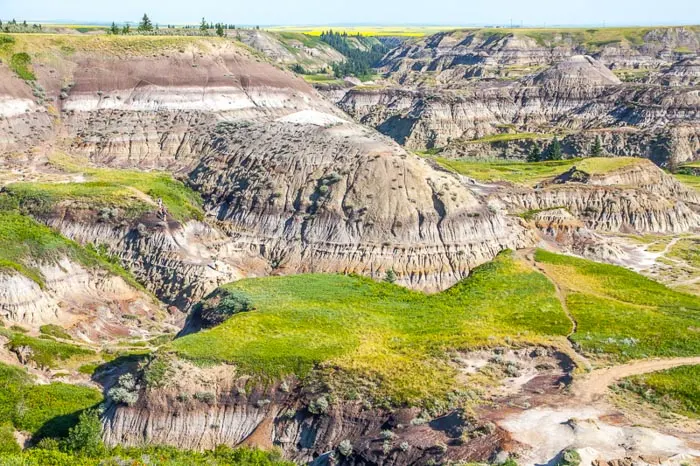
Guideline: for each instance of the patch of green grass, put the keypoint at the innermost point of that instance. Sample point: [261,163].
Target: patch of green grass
[687,250]
[46,353]
[676,390]
[623,314]
[45,47]
[43,410]
[514,172]
[8,443]
[503,137]
[53,330]
[691,181]
[161,456]
[380,333]
[24,242]
[322,78]
[631,75]
[20,63]
[134,192]
[602,165]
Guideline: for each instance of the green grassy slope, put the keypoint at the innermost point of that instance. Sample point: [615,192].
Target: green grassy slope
[132,192]
[43,410]
[398,341]
[531,173]
[623,315]
[24,242]
[369,331]
[676,390]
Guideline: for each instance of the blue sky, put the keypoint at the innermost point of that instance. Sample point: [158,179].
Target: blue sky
[307,12]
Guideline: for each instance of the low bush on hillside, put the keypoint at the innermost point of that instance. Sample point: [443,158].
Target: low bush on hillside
[224,304]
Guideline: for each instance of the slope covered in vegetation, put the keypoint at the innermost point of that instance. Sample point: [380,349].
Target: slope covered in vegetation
[378,331]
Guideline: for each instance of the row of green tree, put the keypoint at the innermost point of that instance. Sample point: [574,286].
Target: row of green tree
[14,26]
[359,61]
[147,26]
[553,151]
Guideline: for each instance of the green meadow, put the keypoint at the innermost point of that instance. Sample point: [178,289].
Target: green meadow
[378,333]
[676,390]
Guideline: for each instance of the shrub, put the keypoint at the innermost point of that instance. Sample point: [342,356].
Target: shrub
[345,448]
[156,373]
[8,444]
[48,443]
[570,458]
[19,63]
[404,446]
[126,391]
[222,305]
[390,276]
[319,406]
[86,436]
[205,397]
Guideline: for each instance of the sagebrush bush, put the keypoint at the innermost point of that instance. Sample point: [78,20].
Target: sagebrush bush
[222,305]
[319,406]
[126,391]
[345,448]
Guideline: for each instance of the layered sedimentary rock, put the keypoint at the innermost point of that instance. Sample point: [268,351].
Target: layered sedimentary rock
[639,197]
[202,408]
[451,89]
[22,117]
[293,182]
[340,197]
[93,303]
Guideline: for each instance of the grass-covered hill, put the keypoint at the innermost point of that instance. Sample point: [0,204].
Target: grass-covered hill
[394,339]
[622,315]
[398,344]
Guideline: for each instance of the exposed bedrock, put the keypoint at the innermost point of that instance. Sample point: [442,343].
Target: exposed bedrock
[92,302]
[342,198]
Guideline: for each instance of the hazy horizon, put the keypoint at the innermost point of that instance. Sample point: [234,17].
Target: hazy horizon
[270,13]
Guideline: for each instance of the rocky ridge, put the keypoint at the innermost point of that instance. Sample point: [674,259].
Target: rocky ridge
[452,89]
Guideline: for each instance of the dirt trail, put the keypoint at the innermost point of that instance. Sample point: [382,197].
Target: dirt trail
[595,384]
[528,255]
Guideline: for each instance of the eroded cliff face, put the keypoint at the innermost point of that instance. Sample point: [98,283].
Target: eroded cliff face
[94,304]
[448,91]
[201,408]
[290,183]
[340,197]
[639,197]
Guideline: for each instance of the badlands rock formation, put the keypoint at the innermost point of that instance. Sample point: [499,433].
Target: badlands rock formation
[290,183]
[451,89]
